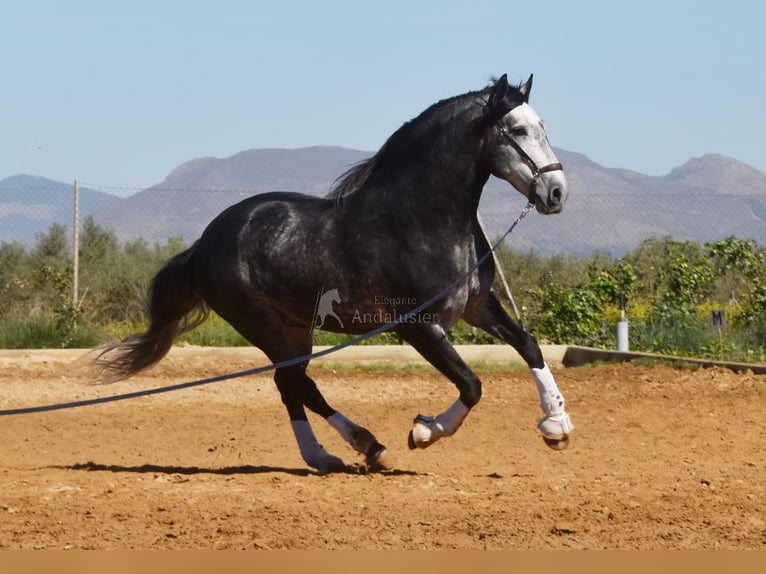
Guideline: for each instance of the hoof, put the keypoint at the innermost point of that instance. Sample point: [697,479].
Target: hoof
[411,442]
[555,430]
[379,461]
[330,464]
[557,443]
[422,434]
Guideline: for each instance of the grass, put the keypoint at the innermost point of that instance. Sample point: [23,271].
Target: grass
[44,333]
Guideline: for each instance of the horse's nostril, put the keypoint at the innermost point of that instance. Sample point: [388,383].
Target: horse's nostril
[556,195]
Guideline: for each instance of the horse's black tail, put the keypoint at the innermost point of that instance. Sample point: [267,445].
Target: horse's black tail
[175,306]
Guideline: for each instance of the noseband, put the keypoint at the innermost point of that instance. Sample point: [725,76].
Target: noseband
[536,171]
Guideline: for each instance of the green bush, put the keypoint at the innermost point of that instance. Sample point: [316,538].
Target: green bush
[668,286]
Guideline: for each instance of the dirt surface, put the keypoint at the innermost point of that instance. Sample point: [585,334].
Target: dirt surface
[661,457]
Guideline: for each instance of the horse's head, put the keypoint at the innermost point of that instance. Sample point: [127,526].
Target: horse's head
[332,295]
[518,149]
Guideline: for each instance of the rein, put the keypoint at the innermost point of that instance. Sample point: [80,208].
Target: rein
[536,171]
[289,362]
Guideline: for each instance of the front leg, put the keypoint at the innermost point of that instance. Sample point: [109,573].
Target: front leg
[431,342]
[488,314]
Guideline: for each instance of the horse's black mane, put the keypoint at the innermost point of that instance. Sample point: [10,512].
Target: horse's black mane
[355,177]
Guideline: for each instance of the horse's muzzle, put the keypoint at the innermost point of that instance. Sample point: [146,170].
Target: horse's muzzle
[550,191]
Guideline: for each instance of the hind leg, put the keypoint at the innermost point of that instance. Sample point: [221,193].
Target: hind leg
[266,329]
[290,383]
[298,390]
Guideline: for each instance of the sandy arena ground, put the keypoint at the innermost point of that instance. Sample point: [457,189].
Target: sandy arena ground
[662,457]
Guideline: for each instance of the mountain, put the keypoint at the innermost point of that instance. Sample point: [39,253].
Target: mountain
[30,205]
[306,170]
[609,210]
[612,210]
[195,192]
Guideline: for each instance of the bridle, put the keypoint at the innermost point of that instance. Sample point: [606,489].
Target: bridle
[536,171]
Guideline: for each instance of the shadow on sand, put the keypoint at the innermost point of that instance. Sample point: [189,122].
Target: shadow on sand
[91,466]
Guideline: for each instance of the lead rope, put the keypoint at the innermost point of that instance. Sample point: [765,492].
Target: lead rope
[288,363]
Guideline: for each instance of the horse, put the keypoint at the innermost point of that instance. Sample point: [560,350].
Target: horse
[391,232]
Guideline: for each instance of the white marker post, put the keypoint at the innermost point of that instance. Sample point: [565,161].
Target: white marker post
[622,328]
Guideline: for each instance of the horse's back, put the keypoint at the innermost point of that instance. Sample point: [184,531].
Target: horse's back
[267,215]
[264,206]
[263,241]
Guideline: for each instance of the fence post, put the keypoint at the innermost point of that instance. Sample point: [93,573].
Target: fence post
[76,246]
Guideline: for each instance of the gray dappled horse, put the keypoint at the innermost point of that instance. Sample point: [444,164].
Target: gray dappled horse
[394,231]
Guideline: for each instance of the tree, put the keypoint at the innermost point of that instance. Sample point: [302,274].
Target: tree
[52,248]
[98,245]
[14,285]
[740,267]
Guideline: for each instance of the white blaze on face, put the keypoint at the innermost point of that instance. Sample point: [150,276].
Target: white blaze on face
[528,130]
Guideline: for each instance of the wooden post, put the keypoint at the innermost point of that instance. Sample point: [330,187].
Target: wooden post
[499,271]
[76,246]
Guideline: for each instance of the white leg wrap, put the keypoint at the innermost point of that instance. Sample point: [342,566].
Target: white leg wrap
[556,423]
[551,399]
[428,430]
[341,424]
[450,420]
[312,452]
[361,440]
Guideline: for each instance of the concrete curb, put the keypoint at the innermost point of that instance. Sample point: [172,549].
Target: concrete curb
[482,354]
[362,354]
[578,356]
[555,356]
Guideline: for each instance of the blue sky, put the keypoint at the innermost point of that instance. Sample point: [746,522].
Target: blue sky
[122,93]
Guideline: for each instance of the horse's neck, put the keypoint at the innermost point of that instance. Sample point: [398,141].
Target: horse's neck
[446,184]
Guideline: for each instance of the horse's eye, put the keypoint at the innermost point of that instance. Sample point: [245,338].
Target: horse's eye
[519,131]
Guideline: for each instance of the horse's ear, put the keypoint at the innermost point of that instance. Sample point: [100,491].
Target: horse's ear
[499,103]
[526,87]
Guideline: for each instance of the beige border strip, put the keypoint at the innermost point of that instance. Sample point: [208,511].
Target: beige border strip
[555,356]
[362,354]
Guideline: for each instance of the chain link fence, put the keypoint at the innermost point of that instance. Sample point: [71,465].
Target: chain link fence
[161,219]
[601,222]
